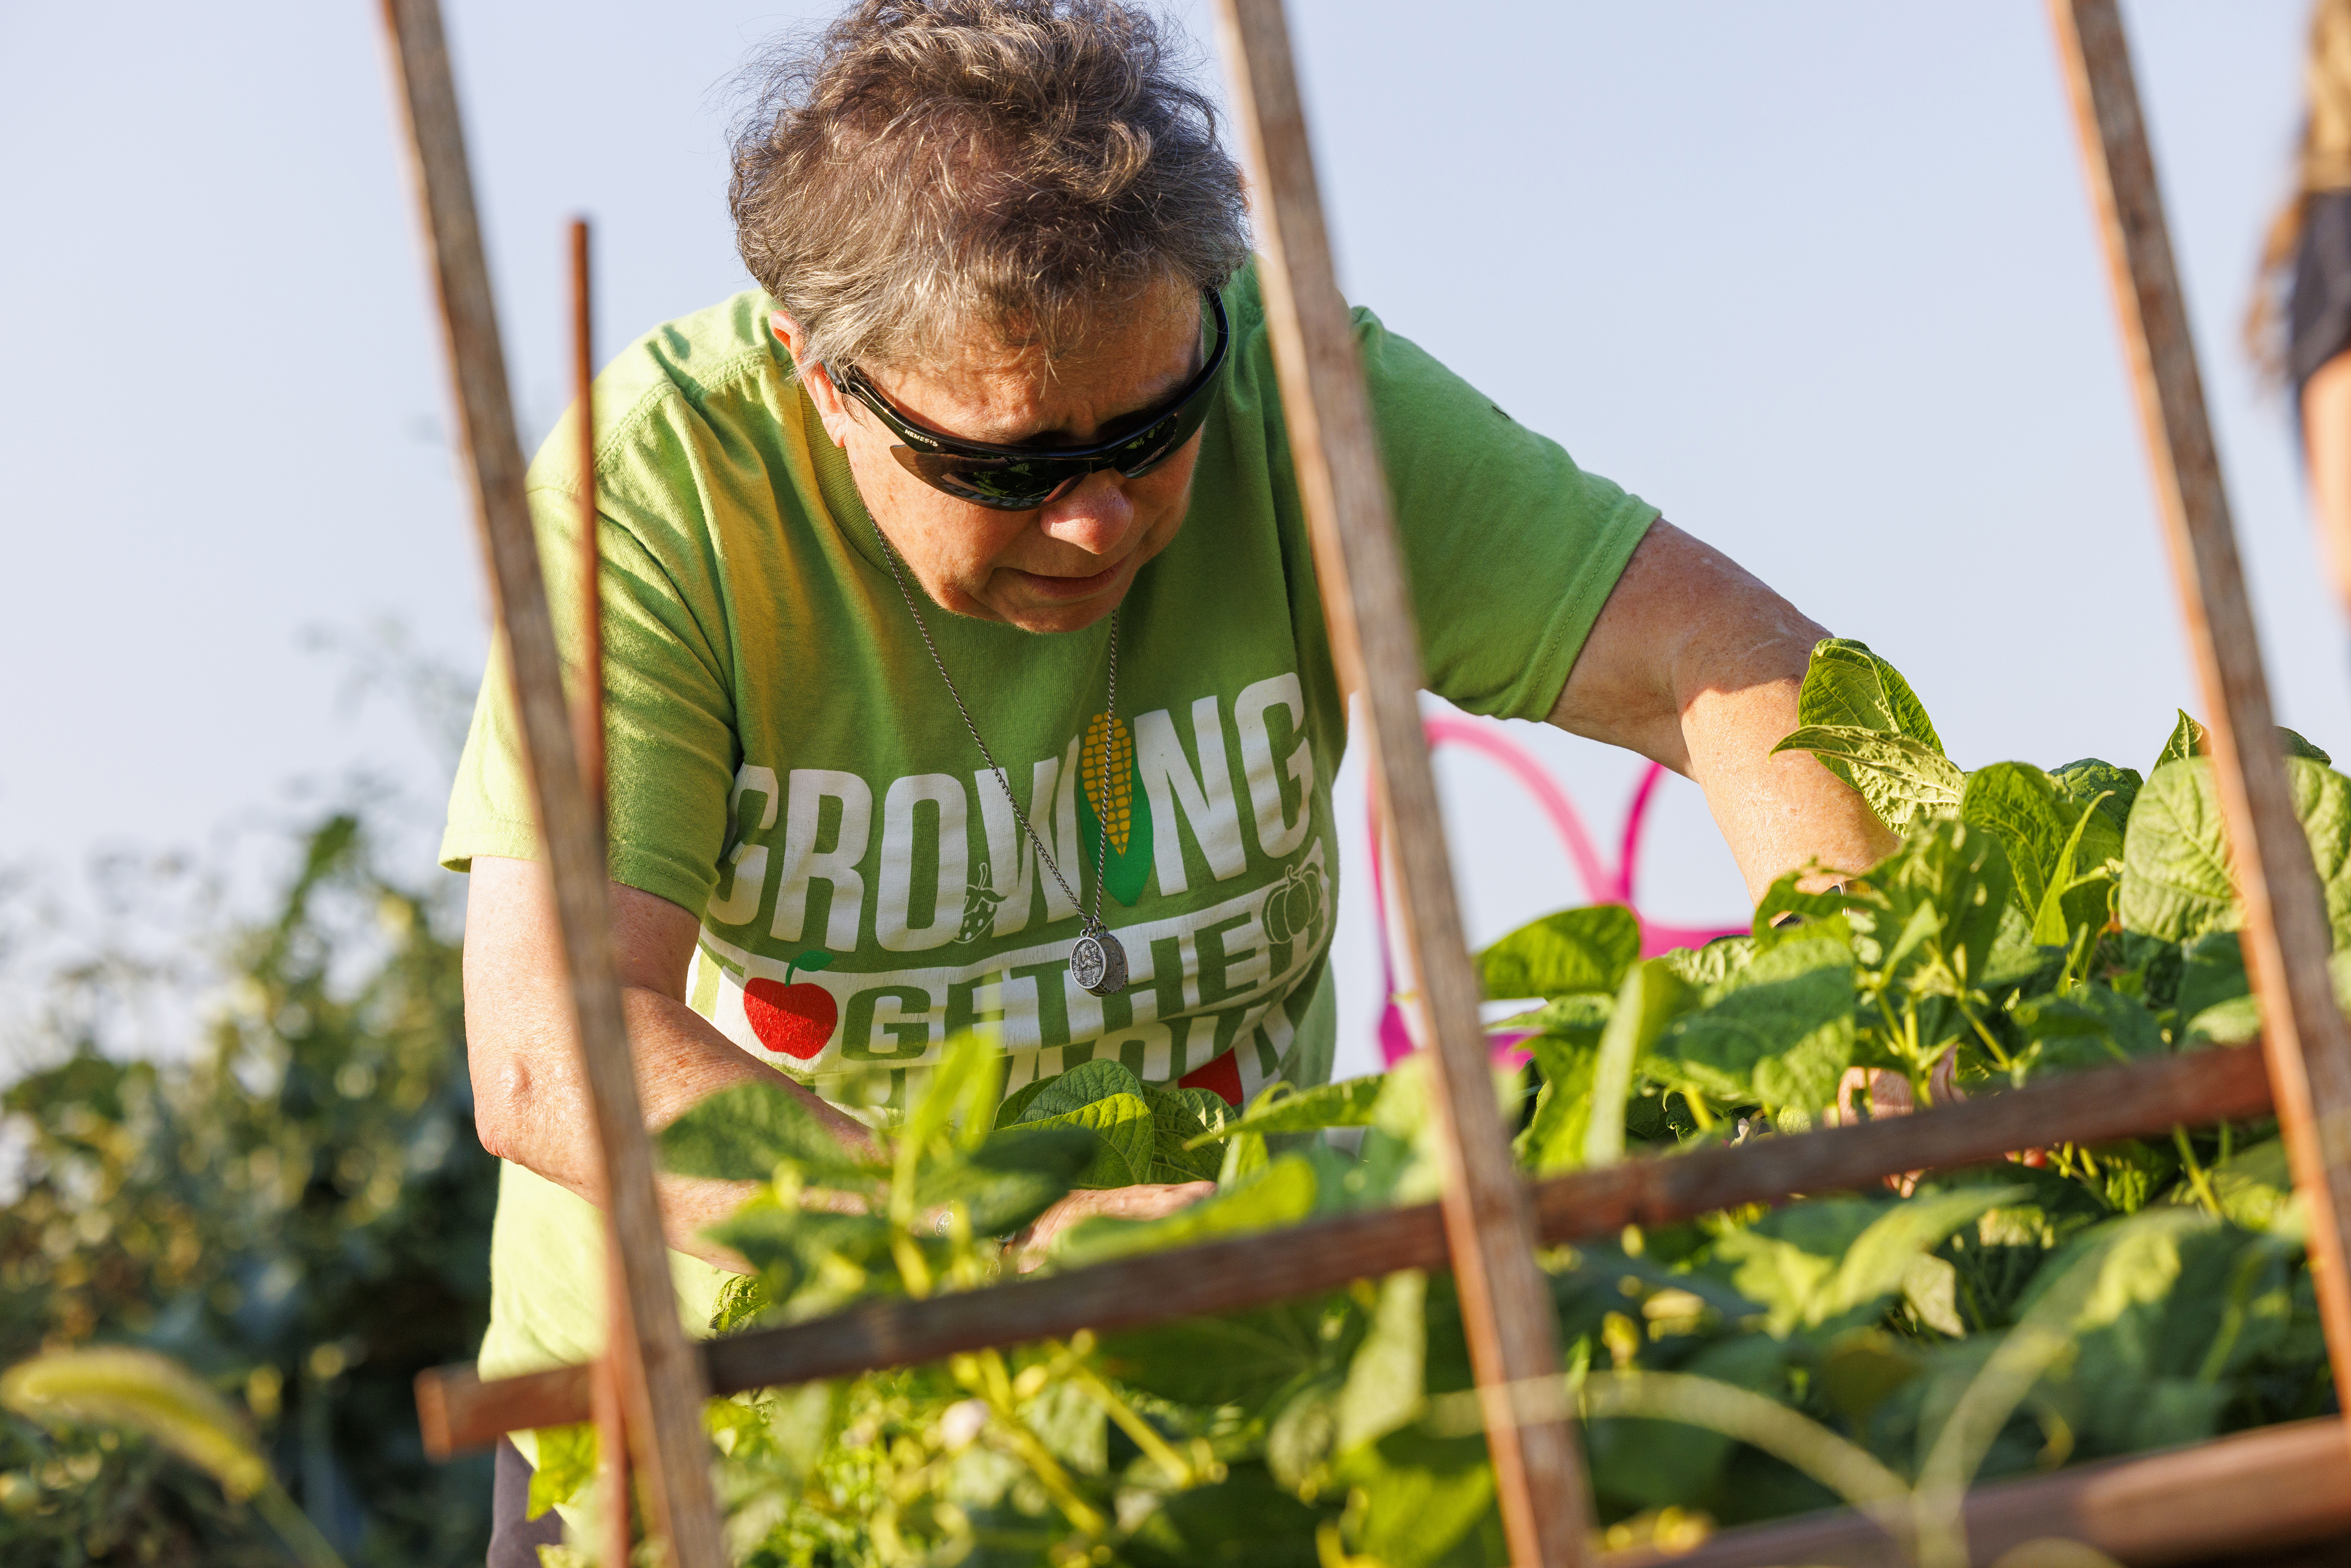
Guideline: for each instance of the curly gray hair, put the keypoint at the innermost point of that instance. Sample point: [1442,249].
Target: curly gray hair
[924,166]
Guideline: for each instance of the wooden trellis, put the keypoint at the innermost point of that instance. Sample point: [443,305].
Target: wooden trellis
[2273,1487]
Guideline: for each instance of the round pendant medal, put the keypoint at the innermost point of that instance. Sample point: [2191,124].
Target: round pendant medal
[1099,964]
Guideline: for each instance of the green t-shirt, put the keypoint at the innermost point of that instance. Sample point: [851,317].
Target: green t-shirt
[785,761]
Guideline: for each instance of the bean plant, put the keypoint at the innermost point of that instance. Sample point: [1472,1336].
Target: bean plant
[1883,1348]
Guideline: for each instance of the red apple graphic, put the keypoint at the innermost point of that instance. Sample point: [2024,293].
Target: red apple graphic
[796,1019]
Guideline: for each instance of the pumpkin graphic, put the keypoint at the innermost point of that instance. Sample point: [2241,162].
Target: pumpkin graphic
[1294,904]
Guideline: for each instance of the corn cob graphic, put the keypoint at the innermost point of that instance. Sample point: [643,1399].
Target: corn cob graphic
[1106,768]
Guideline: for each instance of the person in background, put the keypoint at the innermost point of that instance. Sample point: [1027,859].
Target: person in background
[2299,326]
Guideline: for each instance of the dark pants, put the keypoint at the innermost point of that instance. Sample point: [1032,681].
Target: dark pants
[515,1540]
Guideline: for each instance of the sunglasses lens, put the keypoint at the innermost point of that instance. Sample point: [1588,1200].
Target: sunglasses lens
[1008,485]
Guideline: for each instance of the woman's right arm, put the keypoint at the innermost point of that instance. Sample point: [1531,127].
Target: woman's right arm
[530,1097]
[2326,438]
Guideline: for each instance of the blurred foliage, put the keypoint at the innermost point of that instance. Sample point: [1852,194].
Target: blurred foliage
[299,1211]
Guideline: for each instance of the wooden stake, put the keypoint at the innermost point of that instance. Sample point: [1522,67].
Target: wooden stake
[1506,1303]
[614,1433]
[458,1410]
[2286,935]
[661,1375]
[2233,1500]
[590,700]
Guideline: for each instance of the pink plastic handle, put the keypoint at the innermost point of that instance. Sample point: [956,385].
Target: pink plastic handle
[1601,884]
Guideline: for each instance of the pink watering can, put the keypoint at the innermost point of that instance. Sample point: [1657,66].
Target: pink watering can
[1601,885]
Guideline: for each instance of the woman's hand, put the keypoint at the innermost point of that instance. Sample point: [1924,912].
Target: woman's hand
[1027,1248]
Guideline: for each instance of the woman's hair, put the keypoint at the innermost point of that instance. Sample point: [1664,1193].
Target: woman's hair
[925,166]
[2322,164]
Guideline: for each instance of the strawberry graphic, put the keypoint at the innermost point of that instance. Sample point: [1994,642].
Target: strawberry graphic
[796,1019]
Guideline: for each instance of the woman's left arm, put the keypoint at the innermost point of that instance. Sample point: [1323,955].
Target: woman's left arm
[1696,663]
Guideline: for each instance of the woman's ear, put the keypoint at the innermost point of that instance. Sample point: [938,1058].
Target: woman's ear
[813,376]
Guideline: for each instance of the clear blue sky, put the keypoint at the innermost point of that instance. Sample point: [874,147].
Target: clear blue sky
[1816,278]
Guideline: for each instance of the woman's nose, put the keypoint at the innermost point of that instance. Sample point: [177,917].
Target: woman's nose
[1094,514]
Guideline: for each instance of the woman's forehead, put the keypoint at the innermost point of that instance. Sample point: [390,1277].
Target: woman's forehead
[1131,358]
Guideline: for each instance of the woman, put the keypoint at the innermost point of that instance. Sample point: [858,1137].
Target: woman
[967,658]
[2306,268]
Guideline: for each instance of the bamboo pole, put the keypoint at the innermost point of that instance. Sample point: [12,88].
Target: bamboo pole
[2236,1498]
[612,1431]
[590,704]
[458,1410]
[660,1377]
[2286,936]
[1539,1476]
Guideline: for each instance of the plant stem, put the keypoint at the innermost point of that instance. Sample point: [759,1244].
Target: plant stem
[1146,1437]
[2196,1172]
[294,1527]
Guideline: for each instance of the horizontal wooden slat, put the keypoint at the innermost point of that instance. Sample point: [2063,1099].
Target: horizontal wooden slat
[2250,1493]
[462,1411]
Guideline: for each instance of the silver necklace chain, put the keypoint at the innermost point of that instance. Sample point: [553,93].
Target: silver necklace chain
[1093,922]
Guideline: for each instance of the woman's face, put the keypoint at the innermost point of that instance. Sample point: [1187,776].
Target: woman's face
[1068,563]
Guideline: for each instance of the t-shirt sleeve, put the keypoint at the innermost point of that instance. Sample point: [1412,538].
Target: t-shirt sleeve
[1511,548]
[671,750]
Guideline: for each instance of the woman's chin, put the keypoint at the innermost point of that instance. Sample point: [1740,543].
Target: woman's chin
[1036,602]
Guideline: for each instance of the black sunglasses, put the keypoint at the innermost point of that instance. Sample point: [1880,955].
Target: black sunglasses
[1022,478]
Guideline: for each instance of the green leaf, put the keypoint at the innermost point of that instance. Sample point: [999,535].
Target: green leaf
[1185,1125]
[2112,789]
[2211,971]
[1782,899]
[1945,894]
[1126,1134]
[744,1301]
[1578,1018]
[2020,804]
[814,958]
[2174,1302]
[1601,1279]
[1236,1358]
[790,1247]
[1653,996]
[2187,739]
[1845,684]
[1081,1085]
[563,1468]
[1850,694]
[1898,776]
[2190,738]
[2176,877]
[1647,1464]
[1559,1137]
[744,1132]
[1718,959]
[1284,1195]
[1011,1179]
[2088,1026]
[1245,1159]
[1428,1503]
[1832,1265]
[1779,1033]
[2054,844]
[2255,1188]
[1586,949]
[2176,880]
[2322,798]
[1875,1268]
[1246,1521]
[1386,1381]
[964,1091]
[1284,1109]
